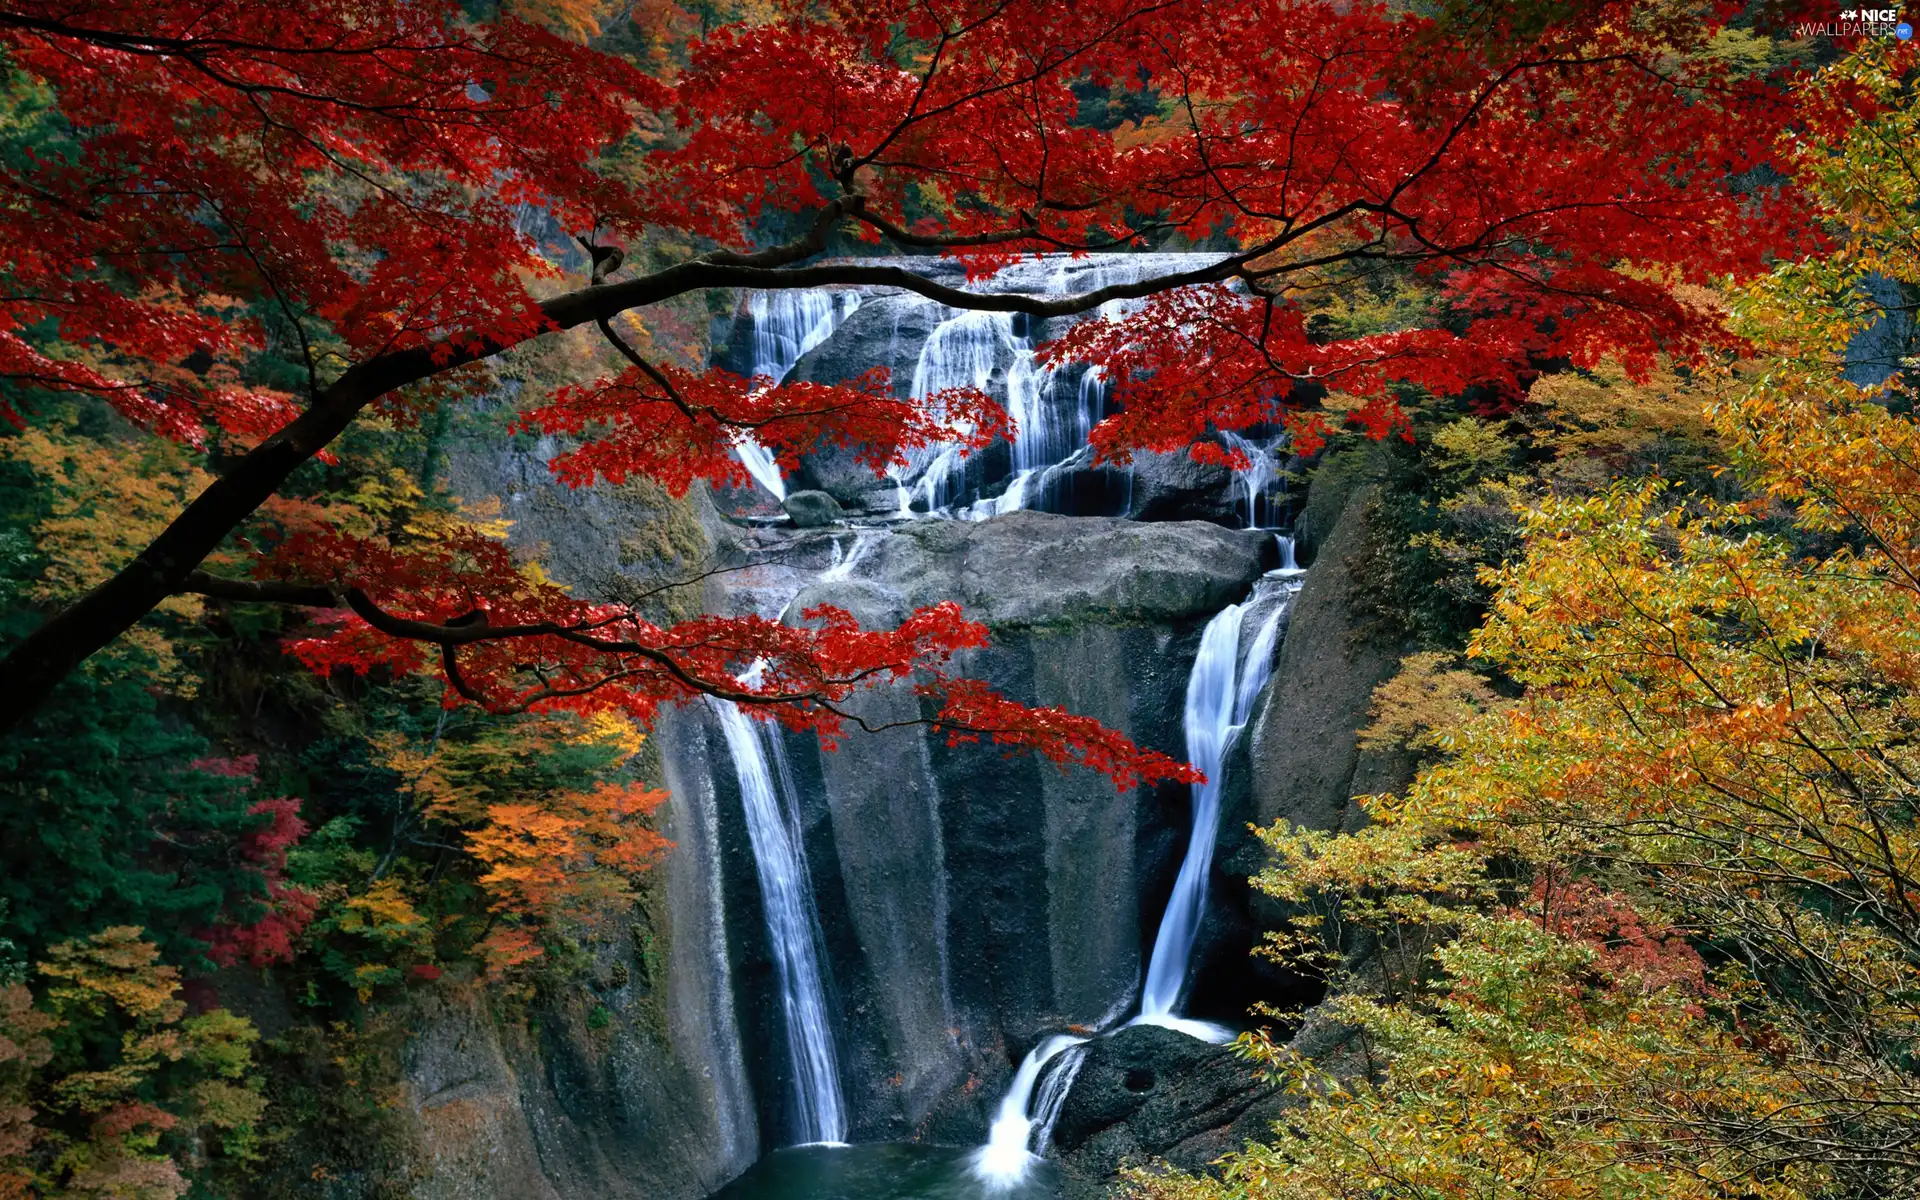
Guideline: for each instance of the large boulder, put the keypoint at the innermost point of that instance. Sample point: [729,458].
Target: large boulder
[811,510]
[885,331]
[1171,486]
[1036,568]
[972,901]
[1148,1093]
[1156,486]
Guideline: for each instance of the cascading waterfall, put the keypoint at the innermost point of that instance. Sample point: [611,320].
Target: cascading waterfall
[1054,418]
[1038,442]
[966,351]
[969,348]
[787,324]
[1039,439]
[1221,692]
[1005,1160]
[864,540]
[963,351]
[773,829]
[1090,404]
[1250,485]
[1053,1095]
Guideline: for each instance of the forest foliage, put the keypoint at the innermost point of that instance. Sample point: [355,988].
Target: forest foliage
[281,706]
[1645,924]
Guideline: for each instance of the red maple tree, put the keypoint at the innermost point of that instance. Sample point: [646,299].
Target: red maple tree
[357,166]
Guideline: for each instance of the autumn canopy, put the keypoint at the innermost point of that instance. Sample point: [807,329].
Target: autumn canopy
[360,171]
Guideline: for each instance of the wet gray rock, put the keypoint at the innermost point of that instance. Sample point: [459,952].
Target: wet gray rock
[1147,1093]
[1034,568]
[973,901]
[1173,487]
[1331,484]
[885,331]
[1155,487]
[1306,760]
[811,510]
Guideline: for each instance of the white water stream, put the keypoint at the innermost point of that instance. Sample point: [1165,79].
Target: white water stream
[1005,1160]
[1221,692]
[779,857]
[787,324]
[994,352]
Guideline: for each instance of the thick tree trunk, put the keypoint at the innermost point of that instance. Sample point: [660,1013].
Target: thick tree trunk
[46,655]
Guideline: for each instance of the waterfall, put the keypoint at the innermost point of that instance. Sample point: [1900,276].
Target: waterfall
[969,349]
[1090,403]
[1221,692]
[864,540]
[963,351]
[1287,560]
[1005,1159]
[787,324]
[1053,1095]
[1012,500]
[1038,442]
[1261,473]
[773,827]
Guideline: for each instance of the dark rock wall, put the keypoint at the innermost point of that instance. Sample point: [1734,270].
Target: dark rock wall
[1306,761]
[974,902]
[1149,1093]
[654,1102]
[970,903]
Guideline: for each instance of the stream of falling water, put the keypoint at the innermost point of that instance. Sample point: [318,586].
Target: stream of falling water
[1252,484]
[1005,1160]
[970,349]
[779,857]
[1222,690]
[787,324]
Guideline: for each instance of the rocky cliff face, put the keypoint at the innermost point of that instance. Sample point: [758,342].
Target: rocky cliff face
[969,904]
[633,1087]
[1305,759]
[1149,1094]
[973,902]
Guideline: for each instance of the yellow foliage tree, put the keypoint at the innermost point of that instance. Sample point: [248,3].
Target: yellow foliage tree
[1653,928]
[549,851]
[178,1091]
[101,503]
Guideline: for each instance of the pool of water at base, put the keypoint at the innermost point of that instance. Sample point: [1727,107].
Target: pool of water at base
[880,1171]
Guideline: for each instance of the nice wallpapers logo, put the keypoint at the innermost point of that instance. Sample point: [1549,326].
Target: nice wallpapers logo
[1860,22]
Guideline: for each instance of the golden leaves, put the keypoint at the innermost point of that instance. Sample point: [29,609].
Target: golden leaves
[1427,697]
[1715,747]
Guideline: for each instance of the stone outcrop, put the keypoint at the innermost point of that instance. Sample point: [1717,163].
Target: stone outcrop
[1155,486]
[1149,1094]
[1033,568]
[1304,748]
[973,902]
[634,1088]
[811,510]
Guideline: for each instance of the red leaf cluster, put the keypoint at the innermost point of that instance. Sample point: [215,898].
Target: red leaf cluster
[1631,949]
[364,162]
[635,426]
[270,938]
[366,170]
